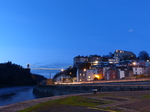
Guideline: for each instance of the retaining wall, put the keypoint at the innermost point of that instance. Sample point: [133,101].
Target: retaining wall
[54,90]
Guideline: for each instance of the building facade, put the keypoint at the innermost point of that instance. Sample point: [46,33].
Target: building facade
[124,54]
[111,74]
[138,70]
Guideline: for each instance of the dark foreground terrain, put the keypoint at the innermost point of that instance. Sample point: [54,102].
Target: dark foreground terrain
[125,101]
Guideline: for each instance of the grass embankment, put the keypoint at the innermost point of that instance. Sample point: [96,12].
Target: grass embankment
[74,100]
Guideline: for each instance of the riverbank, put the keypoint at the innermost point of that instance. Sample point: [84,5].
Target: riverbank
[10,95]
[123,101]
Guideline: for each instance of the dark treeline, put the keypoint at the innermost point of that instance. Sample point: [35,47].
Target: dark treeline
[71,71]
[16,75]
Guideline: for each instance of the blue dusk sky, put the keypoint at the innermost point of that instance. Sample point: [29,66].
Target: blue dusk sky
[50,33]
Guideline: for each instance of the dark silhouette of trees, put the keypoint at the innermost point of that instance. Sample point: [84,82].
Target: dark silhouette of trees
[16,75]
[143,55]
[71,71]
[111,55]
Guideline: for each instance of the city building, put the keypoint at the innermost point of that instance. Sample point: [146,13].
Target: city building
[81,75]
[122,64]
[111,74]
[94,59]
[94,74]
[147,64]
[124,54]
[79,60]
[138,70]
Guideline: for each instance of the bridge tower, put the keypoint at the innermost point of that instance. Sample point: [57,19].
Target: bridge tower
[28,66]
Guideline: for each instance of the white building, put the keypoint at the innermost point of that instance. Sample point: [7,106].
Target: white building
[104,70]
[91,74]
[121,73]
[138,70]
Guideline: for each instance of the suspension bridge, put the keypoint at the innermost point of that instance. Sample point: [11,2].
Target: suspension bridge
[33,67]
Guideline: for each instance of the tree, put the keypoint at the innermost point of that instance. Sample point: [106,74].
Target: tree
[111,55]
[143,55]
[15,75]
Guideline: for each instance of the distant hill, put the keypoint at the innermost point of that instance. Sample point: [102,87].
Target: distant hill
[15,75]
[39,78]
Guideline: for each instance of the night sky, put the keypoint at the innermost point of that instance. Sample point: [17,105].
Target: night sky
[50,33]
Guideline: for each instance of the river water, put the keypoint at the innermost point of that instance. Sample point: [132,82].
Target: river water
[12,95]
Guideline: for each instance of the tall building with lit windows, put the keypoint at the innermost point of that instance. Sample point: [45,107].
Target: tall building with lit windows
[124,54]
[94,59]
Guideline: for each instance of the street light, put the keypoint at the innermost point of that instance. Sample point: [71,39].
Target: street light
[95,63]
[134,63]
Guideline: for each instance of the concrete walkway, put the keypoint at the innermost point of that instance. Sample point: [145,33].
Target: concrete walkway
[125,101]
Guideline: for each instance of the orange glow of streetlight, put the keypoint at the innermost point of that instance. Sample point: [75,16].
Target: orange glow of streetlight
[134,63]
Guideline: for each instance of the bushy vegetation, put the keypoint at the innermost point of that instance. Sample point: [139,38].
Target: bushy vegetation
[15,75]
[71,71]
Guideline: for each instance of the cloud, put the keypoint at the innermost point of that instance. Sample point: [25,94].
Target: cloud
[131,30]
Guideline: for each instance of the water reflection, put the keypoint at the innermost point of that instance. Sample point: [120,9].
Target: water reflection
[16,94]
[7,96]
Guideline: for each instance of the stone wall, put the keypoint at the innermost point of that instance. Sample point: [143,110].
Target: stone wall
[55,90]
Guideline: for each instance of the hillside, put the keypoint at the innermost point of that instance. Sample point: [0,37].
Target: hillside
[16,75]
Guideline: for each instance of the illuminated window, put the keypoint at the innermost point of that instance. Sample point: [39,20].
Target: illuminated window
[80,74]
[89,77]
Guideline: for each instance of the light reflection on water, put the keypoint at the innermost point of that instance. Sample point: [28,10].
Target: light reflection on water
[16,94]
